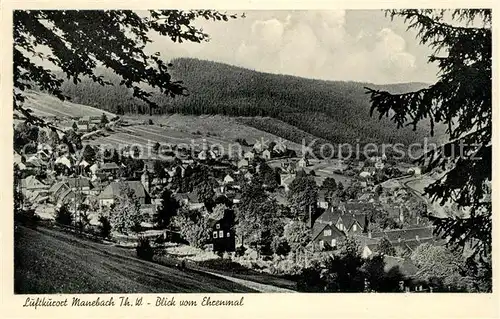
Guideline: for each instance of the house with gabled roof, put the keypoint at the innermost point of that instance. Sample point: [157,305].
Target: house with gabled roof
[325,236]
[222,235]
[409,238]
[249,155]
[242,163]
[347,223]
[64,160]
[206,155]
[228,179]
[303,162]
[248,176]
[279,148]
[190,200]
[324,198]
[109,167]
[18,159]
[258,146]
[111,192]
[368,245]
[32,184]
[266,154]
[356,224]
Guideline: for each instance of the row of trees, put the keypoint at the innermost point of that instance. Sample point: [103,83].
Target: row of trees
[27,137]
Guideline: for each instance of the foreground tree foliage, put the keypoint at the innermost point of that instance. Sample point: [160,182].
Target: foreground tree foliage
[126,215]
[79,41]
[258,217]
[460,99]
[193,227]
[167,210]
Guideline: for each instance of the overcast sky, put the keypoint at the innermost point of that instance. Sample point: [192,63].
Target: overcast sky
[356,45]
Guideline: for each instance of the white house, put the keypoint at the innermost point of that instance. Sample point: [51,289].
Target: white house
[206,154]
[228,179]
[248,175]
[249,155]
[94,168]
[266,154]
[279,148]
[84,164]
[17,158]
[303,162]
[64,160]
[242,163]
[258,146]
[364,174]
[415,170]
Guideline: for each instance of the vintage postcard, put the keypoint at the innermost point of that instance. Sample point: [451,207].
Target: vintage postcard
[248,160]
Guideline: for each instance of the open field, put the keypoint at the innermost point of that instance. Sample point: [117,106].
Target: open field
[219,128]
[45,105]
[323,169]
[187,131]
[48,261]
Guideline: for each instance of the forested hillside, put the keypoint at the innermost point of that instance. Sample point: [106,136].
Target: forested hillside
[336,111]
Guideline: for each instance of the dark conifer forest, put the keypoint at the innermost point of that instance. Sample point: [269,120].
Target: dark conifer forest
[337,111]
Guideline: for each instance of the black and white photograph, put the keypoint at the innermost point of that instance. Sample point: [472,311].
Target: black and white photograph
[251,151]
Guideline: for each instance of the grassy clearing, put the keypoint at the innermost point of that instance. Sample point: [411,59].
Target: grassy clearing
[49,106]
[49,261]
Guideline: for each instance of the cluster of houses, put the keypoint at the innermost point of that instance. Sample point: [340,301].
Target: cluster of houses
[100,182]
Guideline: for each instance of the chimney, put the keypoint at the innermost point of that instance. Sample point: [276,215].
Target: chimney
[369,234]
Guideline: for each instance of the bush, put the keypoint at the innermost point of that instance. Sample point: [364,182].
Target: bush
[64,216]
[27,218]
[285,266]
[240,250]
[104,227]
[144,249]
[280,246]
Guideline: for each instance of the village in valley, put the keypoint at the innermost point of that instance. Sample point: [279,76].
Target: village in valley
[268,208]
[282,151]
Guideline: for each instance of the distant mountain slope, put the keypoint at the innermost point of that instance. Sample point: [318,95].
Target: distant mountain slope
[333,110]
[46,105]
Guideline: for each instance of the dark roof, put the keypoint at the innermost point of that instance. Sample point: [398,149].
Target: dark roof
[56,187]
[366,241]
[392,211]
[318,228]
[406,234]
[355,207]
[323,195]
[193,197]
[360,218]
[190,197]
[113,189]
[329,216]
[75,182]
[405,265]
[181,196]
